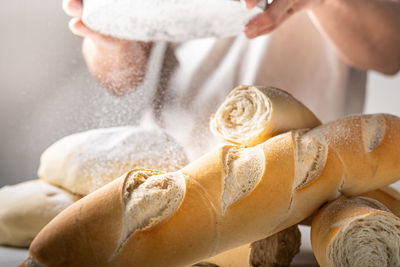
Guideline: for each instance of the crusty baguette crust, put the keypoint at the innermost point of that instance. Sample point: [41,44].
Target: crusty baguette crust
[388,196]
[199,229]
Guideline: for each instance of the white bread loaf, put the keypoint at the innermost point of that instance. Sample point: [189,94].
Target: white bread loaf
[356,232]
[252,114]
[26,208]
[299,171]
[84,162]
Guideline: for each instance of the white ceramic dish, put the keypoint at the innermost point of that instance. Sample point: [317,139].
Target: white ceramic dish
[167,20]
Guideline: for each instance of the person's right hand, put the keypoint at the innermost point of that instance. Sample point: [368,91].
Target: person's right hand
[119,65]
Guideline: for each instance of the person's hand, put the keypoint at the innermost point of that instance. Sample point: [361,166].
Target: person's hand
[276,13]
[74,9]
[119,65]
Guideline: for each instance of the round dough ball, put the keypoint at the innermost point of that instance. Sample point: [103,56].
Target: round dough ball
[26,208]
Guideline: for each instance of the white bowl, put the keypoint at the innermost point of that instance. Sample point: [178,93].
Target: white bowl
[167,20]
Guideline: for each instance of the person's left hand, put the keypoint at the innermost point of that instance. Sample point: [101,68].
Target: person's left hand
[275,14]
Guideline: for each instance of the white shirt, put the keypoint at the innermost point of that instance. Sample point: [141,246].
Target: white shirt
[198,75]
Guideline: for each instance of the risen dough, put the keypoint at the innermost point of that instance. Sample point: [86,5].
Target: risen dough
[84,162]
[26,208]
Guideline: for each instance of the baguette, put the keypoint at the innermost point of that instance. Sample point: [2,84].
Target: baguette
[229,197]
[252,114]
[356,232]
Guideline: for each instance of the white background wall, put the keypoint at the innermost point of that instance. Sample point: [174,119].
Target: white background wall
[47,93]
[383,94]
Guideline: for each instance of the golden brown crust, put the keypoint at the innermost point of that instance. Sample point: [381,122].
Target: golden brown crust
[388,196]
[363,170]
[85,233]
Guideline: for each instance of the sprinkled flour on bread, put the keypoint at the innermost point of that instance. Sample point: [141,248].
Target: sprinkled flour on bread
[86,161]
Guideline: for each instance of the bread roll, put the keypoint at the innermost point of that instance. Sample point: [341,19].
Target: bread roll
[229,197]
[84,162]
[252,114]
[356,232]
[26,208]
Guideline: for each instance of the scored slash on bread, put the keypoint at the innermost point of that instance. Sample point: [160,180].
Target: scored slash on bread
[277,201]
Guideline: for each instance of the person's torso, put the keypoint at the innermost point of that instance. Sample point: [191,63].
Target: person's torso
[197,76]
